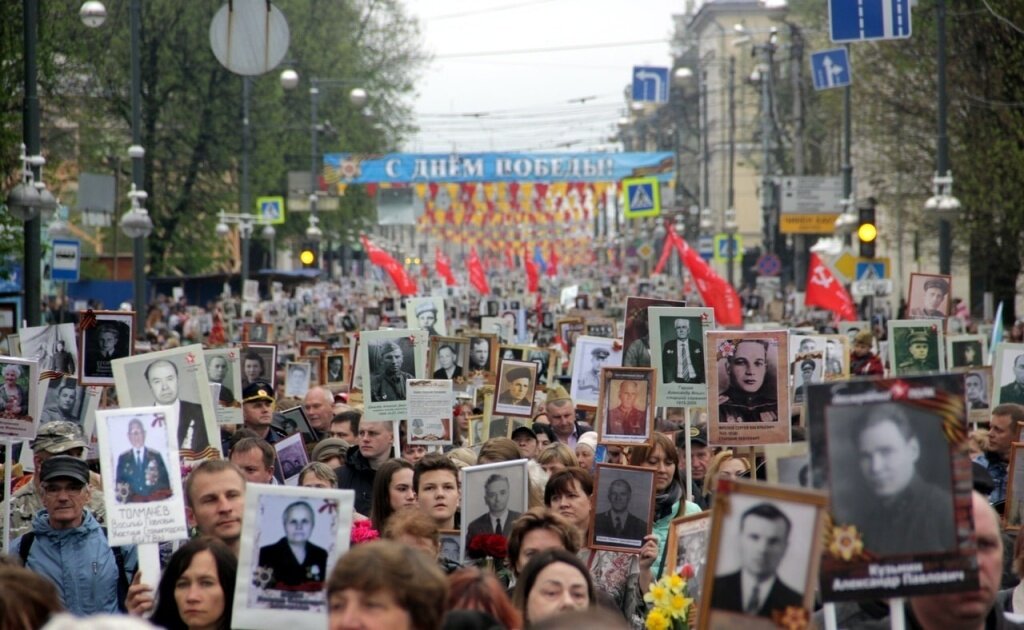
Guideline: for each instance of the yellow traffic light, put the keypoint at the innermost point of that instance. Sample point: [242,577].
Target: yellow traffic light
[307,257]
[867,232]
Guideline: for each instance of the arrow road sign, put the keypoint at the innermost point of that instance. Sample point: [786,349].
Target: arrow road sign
[650,84]
[860,20]
[831,68]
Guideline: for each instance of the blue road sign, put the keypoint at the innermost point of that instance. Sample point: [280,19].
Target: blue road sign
[769,265]
[706,247]
[871,270]
[860,20]
[67,256]
[831,68]
[650,83]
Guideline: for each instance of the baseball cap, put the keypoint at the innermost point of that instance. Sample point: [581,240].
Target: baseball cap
[330,447]
[64,466]
[258,390]
[524,431]
[59,436]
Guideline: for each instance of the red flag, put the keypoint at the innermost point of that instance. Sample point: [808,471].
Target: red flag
[444,267]
[477,277]
[824,290]
[379,257]
[666,251]
[532,275]
[553,263]
[716,292]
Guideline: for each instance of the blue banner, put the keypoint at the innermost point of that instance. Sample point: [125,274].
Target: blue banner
[411,168]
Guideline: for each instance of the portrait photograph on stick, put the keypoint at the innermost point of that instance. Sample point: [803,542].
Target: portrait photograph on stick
[636,339]
[224,367]
[677,335]
[483,357]
[427,313]
[978,388]
[589,355]
[687,546]
[103,336]
[625,410]
[19,398]
[966,351]
[892,455]
[449,357]
[752,391]
[257,333]
[1008,382]
[928,296]
[291,537]
[332,368]
[516,387]
[387,359]
[764,549]
[297,378]
[788,464]
[915,347]
[138,452]
[493,497]
[177,378]
[63,399]
[259,364]
[623,509]
[53,347]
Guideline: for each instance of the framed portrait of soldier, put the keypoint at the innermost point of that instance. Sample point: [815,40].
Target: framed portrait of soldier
[297,378]
[224,367]
[427,313]
[978,390]
[291,537]
[482,363]
[928,296]
[259,363]
[623,509]
[387,359]
[52,347]
[1008,367]
[636,338]
[678,355]
[589,356]
[103,337]
[915,347]
[257,332]
[63,399]
[517,382]
[19,398]
[177,378]
[144,503]
[788,464]
[892,455]
[806,371]
[688,546]
[763,553]
[837,357]
[743,369]
[966,351]
[625,410]
[449,358]
[493,497]
[332,368]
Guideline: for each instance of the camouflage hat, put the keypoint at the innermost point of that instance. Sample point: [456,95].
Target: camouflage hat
[59,436]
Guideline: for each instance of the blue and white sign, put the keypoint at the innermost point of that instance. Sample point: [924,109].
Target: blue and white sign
[706,247]
[650,84]
[831,68]
[873,270]
[861,20]
[67,258]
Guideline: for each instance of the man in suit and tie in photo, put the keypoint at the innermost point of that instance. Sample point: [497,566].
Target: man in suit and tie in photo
[681,358]
[618,522]
[162,377]
[498,519]
[757,589]
[141,472]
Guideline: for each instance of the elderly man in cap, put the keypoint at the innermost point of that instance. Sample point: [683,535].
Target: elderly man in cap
[426,317]
[590,379]
[53,438]
[918,362]
[935,292]
[67,545]
[517,389]
[389,381]
[561,413]
[681,358]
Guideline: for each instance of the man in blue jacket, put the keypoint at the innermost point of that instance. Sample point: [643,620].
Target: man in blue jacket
[68,547]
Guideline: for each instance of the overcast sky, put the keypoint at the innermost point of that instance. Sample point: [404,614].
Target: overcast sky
[530,102]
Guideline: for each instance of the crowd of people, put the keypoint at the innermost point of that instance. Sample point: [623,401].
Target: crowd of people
[404,574]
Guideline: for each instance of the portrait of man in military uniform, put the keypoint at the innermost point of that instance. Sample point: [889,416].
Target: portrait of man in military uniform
[930,301]
[916,351]
[388,370]
[517,385]
[1013,392]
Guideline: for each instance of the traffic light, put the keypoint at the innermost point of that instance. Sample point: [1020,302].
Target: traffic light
[866,229]
[309,255]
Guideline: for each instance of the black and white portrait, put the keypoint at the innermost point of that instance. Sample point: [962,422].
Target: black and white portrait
[64,400]
[297,560]
[291,455]
[516,387]
[52,346]
[928,296]
[915,348]
[451,546]
[259,362]
[176,378]
[109,338]
[542,359]
[482,354]
[493,496]
[623,506]
[806,372]
[449,357]
[688,545]
[966,351]
[297,378]
[893,481]
[589,355]
[682,350]
[391,364]
[332,367]
[763,562]
[977,388]
[223,367]
[1009,366]
[427,314]
[637,337]
[257,333]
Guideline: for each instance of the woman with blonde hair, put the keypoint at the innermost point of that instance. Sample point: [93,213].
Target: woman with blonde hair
[724,465]
[556,457]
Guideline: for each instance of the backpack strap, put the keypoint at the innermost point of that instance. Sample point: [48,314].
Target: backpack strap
[26,546]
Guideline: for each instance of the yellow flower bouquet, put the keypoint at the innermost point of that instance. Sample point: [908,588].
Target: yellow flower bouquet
[670,601]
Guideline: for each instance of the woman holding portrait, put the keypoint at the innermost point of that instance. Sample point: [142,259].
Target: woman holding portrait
[750,395]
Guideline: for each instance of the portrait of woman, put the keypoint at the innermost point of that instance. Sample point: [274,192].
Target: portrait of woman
[13,395]
[750,394]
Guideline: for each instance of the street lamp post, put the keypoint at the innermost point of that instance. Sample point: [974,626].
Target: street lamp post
[942,201]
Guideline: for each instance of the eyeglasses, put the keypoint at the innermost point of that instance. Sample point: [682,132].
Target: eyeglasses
[57,489]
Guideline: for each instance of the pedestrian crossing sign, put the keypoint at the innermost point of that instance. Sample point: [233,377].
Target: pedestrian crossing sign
[643,197]
[270,210]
